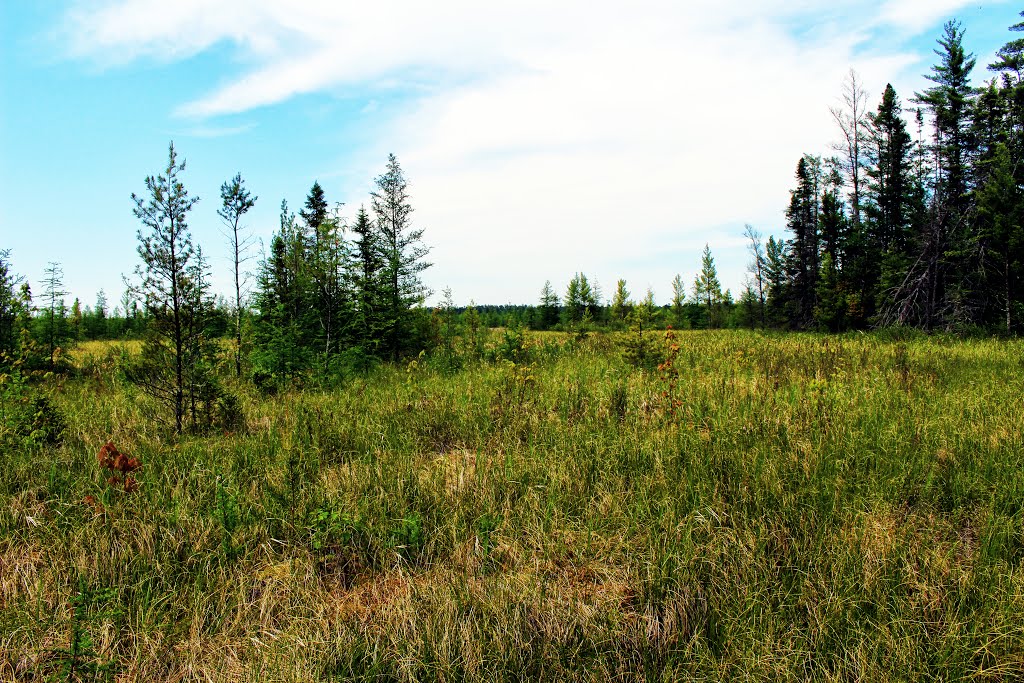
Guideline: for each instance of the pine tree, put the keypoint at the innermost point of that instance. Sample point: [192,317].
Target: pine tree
[804,248]
[830,309]
[678,299]
[167,287]
[707,290]
[621,305]
[939,286]
[53,293]
[403,255]
[548,306]
[776,257]
[367,264]
[895,211]
[314,215]
[999,239]
[580,300]
[236,201]
[10,306]
[281,330]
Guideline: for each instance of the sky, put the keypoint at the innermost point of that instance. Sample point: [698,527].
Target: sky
[539,138]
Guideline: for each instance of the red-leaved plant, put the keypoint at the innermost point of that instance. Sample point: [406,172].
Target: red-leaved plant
[121,466]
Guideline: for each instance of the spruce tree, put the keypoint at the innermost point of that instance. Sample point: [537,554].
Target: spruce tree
[403,255]
[678,299]
[548,306]
[707,290]
[367,265]
[804,247]
[621,304]
[895,211]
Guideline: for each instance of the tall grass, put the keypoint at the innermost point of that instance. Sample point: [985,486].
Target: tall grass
[762,507]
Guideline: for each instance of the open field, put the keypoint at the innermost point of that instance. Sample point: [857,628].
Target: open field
[763,507]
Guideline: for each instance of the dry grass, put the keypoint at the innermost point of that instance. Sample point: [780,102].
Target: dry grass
[767,508]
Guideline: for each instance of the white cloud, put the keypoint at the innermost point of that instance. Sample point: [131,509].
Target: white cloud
[553,137]
[920,14]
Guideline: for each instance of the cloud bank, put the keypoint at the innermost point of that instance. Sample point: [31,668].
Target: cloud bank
[544,138]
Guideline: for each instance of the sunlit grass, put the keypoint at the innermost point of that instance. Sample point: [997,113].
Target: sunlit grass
[768,507]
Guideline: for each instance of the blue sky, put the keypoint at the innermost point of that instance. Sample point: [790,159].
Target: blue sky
[539,138]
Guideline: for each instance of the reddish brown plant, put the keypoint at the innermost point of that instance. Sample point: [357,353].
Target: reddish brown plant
[112,459]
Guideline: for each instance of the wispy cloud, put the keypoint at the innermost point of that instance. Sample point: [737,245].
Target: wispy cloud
[207,131]
[557,134]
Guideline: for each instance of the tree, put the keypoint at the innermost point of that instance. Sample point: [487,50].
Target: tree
[621,305]
[776,256]
[1000,238]
[937,286]
[851,117]
[678,299]
[367,263]
[804,248]
[166,287]
[830,309]
[756,269]
[548,306]
[281,330]
[1010,57]
[580,300]
[639,347]
[235,203]
[314,214]
[707,290]
[10,305]
[895,209]
[403,256]
[54,293]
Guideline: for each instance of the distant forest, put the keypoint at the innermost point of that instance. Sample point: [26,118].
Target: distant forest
[916,221]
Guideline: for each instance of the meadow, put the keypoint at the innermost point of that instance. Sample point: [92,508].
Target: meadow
[755,507]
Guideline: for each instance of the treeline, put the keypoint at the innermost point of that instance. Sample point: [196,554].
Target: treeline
[914,224]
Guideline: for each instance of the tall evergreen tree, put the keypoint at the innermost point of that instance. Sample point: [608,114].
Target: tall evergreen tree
[941,287]
[166,287]
[707,290]
[10,305]
[804,247]
[367,264]
[404,257]
[236,201]
[1000,240]
[548,306]
[53,294]
[621,304]
[678,299]
[895,211]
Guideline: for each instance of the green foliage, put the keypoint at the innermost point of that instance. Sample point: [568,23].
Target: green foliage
[640,347]
[80,661]
[707,290]
[28,418]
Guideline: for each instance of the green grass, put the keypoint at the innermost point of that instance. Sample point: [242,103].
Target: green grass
[766,508]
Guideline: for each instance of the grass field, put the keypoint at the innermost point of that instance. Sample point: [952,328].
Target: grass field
[762,507]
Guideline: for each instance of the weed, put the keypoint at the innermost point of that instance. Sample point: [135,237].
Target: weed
[80,661]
